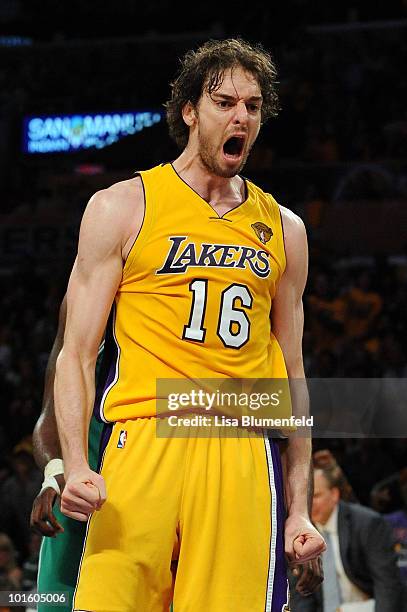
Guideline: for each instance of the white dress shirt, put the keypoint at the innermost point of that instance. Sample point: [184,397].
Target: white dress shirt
[350,593]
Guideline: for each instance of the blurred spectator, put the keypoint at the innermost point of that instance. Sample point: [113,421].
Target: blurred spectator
[363,305]
[354,329]
[30,566]
[359,564]
[326,312]
[365,464]
[10,573]
[398,522]
[324,460]
[17,494]
[385,496]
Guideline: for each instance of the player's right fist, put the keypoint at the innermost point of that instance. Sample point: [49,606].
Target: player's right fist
[84,492]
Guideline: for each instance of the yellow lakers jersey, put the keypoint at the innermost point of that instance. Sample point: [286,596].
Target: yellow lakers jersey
[195,297]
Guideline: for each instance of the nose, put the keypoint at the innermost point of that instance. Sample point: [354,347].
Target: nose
[240,113]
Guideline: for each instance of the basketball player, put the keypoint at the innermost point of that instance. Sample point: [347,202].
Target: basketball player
[60,556]
[182,265]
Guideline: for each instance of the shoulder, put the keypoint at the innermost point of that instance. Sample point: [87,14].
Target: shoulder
[115,213]
[295,245]
[293,225]
[361,513]
[118,199]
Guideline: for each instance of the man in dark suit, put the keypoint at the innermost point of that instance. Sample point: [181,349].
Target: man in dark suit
[360,564]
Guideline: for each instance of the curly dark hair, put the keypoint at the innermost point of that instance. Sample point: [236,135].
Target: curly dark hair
[205,68]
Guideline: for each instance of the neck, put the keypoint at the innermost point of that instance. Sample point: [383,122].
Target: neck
[211,187]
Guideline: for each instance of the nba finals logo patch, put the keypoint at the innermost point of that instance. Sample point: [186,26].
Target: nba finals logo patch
[122,439]
[264,233]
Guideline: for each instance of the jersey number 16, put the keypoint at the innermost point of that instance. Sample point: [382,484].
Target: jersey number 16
[233,323]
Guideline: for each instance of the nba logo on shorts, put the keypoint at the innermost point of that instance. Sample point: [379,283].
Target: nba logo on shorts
[122,439]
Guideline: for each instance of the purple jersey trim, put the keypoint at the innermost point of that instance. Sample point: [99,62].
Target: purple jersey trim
[109,369]
[105,437]
[277,584]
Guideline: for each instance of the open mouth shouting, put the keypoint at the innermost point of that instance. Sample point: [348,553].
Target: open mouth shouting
[233,147]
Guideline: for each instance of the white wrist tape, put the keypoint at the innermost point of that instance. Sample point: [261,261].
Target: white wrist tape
[52,469]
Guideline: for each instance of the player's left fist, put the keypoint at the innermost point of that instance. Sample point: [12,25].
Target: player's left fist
[303,542]
[84,492]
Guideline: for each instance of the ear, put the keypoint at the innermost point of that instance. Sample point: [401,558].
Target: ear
[189,114]
[336,494]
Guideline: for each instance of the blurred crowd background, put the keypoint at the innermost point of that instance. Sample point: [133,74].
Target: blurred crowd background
[337,155]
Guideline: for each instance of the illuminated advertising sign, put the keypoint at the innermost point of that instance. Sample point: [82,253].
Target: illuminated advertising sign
[15,41]
[67,133]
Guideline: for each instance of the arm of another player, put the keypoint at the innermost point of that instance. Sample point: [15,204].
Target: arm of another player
[110,222]
[46,444]
[302,541]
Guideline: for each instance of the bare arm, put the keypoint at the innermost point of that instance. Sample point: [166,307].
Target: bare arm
[287,325]
[111,220]
[302,540]
[46,444]
[308,576]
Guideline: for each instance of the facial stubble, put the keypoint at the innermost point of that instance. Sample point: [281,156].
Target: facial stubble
[207,153]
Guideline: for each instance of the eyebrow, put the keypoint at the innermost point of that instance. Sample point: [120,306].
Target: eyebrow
[228,97]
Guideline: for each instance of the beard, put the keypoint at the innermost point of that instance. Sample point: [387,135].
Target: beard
[208,153]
